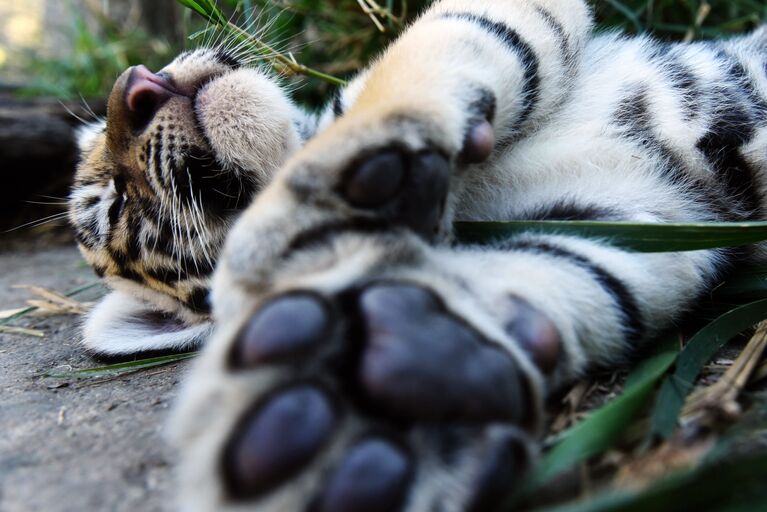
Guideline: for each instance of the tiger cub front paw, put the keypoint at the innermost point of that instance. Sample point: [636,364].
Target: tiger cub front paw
[377,396]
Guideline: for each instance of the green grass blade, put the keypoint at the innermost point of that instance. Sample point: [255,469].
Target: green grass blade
[633,236]
[718,487]
[121,368]
[744,285]
[206,9]
[695,354]
[602,429]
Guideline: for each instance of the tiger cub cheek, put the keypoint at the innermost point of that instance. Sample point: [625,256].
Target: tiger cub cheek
[249,121]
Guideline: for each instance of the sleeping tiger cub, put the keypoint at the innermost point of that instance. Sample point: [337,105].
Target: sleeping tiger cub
[360,361]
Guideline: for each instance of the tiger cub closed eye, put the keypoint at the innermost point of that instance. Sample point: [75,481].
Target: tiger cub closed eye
[360,361]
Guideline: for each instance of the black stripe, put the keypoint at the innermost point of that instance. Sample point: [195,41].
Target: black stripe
[162,239]
[634,116]
[686,83]
[199,300]
[325,233]
[184,269]
[156,162]
[571,210]
[115,209]
[568,56]
[87,230]
[338,106]
[742,81]
[228,58]
[531,89]
[623,297]
[133,225]
[85,238]
[721,147]
[91,201]
[739,110]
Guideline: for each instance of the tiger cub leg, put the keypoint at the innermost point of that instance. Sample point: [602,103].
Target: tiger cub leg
[465,79]
[381,374]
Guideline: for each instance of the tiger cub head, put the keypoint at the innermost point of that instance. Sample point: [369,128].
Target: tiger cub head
[181,152]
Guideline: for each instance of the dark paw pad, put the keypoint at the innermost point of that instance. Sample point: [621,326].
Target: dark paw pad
[276,440]
[536,334]
[407,188]
[282,330]
[422,362]
[373,477]
[376,180]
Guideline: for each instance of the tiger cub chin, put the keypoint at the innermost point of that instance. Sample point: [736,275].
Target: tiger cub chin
[361,361]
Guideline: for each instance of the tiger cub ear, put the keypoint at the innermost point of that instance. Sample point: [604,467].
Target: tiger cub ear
[121,325]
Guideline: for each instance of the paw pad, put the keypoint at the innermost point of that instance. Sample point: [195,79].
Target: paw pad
[282,330]
[423,362]
[372,477]
[376,180]
[276,440]
[408,189]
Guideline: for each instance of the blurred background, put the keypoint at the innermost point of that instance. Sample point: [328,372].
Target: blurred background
[58,59]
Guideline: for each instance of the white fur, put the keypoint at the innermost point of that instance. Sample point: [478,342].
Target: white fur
[117,326]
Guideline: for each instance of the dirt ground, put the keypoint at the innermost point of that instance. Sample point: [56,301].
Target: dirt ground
[69,445]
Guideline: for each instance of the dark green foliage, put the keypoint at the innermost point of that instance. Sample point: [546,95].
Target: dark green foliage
[681,19]
[337,37]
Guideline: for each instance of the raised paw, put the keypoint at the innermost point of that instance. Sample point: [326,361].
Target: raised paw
[376,397]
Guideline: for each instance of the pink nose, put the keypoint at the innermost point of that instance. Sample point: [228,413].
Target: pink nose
[146,92]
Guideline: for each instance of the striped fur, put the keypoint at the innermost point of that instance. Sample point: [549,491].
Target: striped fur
[597,127]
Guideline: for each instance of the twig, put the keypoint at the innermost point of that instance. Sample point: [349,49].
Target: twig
[721,397]
[284,60]
[30,309]
[21,330]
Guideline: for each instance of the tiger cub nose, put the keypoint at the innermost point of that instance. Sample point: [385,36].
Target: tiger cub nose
[145,93]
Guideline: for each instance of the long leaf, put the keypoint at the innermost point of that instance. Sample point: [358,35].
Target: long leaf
[636,237]
[603,428]
[711,488]
[695,354]
[744,285]
[121,368]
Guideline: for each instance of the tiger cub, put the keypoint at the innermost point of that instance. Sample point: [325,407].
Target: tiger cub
[360,360]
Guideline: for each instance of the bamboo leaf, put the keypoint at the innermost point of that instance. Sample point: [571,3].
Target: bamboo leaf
[709,488]
[744,285]
[603,428]
[633,236]
[121,368]
[695,354]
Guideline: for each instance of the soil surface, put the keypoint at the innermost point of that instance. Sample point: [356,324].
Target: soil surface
[69,444]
